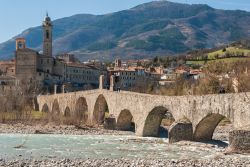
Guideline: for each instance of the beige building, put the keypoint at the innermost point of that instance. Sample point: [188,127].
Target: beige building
[86,76]
[7,68]
[126,78]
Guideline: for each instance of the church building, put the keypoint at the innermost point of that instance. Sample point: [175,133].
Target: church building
[33,67]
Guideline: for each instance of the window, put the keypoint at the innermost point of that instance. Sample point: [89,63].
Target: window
[20,45]
[47,34]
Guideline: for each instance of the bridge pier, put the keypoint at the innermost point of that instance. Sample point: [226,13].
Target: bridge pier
[180,130]
[239,141]
[110,123]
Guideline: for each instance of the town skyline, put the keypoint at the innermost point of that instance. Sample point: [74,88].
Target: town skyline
[15,25]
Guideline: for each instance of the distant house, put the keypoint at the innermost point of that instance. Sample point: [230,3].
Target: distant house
[196,74]
[7,68]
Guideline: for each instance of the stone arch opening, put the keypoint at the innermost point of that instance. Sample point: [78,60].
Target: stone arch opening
[45,108]
[55,108]
[101,110]
[81,111]
[205,129]
[153,122]
[125,121]
[67,112]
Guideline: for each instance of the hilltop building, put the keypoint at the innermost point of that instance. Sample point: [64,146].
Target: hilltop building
[44,69]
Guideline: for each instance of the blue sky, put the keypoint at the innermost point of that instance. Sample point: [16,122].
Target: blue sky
[18,15]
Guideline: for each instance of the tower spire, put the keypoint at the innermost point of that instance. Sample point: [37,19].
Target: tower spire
[47,36]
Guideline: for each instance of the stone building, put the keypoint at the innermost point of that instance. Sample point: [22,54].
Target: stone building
[26,61]
[47,70]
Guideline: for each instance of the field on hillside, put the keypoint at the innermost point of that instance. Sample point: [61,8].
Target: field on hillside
[204,62]
[229,50]
[230,54]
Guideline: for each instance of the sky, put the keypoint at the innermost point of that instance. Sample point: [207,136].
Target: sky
[18,15]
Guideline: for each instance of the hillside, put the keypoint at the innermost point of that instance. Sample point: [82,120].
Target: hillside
[156,28]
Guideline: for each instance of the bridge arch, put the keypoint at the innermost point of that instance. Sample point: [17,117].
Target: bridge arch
[55,108]
[45,108]
[81,110]
[205,128]
[125,121]
[100,109]
[67,112]
[153,121]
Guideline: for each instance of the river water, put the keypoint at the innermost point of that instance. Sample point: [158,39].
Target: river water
[96,146]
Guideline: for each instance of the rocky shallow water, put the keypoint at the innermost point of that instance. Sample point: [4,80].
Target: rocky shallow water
[218,158]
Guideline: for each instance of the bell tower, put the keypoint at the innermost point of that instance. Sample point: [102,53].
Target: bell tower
[47,36]
[20,43]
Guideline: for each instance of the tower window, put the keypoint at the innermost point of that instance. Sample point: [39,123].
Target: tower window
[20,45]
[47,34]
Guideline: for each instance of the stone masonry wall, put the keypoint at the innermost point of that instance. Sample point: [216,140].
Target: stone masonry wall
[195,108]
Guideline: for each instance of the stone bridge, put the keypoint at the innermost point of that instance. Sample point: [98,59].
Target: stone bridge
[203,113]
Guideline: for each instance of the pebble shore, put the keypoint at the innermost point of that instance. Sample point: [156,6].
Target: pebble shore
[61,129]
[218,162]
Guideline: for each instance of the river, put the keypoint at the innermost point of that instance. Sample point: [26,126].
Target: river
[96,146]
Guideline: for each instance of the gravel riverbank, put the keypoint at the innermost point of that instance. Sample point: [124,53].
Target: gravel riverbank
[216,162]
[53,129]
[221,132]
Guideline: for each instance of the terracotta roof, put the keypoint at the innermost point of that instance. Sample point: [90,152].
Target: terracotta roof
[7,63]
[82,66]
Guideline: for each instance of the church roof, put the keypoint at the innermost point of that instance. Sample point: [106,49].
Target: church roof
[26,50]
